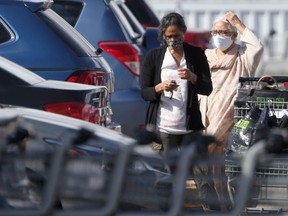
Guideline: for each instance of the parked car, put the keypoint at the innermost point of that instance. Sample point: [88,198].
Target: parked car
[147,17]
[143,12]
[78,161]
[19,86]
[35,37]
[104,25]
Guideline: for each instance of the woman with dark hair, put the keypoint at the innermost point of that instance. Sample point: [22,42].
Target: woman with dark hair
[171,78]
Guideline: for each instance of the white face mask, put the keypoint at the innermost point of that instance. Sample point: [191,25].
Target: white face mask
[222,42]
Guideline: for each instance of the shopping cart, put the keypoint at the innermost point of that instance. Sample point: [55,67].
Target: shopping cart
[270,184]
[266,91]
[76,174]
[42,183]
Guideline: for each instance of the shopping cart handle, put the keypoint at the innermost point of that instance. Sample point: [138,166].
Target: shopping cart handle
[201,141]
[147,135]
[266,79]
[82,136]
[20,135]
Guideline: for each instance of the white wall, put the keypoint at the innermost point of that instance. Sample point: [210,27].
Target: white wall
[260,16]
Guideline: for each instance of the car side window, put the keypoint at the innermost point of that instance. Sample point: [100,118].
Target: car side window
[5,34]
[70,11]
[143,13]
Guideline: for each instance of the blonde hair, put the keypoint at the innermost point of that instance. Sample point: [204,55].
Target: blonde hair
[223,19]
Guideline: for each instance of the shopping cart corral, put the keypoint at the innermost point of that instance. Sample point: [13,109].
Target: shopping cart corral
[76,166]
[261,105]
[78,174]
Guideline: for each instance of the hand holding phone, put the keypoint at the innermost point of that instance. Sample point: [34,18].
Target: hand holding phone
[173,81]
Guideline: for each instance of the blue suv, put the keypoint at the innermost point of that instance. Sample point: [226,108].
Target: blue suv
[35,37]
[125,42]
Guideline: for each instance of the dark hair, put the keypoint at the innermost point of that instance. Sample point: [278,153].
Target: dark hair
[172,18]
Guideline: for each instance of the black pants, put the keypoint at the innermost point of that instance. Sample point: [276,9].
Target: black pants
[202,173]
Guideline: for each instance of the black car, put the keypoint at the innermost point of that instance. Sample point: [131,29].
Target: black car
[21,87]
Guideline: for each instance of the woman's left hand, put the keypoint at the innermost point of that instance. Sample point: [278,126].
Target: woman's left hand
[185,73]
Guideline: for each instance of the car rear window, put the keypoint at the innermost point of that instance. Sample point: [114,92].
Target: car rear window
[69,34]
[143,13]
[70,11]
[5,34]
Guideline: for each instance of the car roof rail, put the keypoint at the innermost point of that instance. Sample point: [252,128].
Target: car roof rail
[107,1]
[38,5]
[119,1]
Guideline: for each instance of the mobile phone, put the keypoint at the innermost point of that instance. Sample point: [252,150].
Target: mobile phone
[173,81]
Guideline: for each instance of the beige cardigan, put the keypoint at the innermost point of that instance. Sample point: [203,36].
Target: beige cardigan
[218,108]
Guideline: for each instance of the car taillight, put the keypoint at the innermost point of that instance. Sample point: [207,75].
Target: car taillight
[77,110]
[89,77]
[125,53]
[200,39]
[147,24]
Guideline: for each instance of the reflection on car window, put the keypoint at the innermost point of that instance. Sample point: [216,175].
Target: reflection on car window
[69,11]
[4,33]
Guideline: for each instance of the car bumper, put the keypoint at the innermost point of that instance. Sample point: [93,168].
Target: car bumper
[114,126]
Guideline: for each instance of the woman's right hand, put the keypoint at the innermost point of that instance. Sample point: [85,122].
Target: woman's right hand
[235,21]
[167,85]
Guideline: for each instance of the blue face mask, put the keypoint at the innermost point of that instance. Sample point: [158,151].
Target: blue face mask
[175,44]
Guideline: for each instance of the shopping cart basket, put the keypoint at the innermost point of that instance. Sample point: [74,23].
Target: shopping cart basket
[270,187]
[252,93]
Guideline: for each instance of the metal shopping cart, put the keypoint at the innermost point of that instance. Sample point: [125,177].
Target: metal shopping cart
[270,184]
[32,183]
[266,91]
[81,173]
